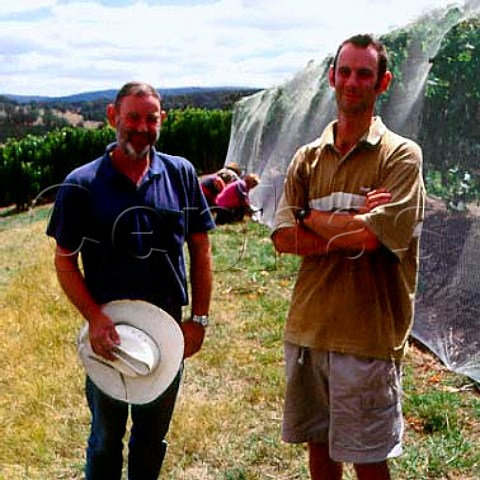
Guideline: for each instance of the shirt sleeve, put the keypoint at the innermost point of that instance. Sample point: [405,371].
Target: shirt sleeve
[397,222]
[67,221]
[242,194]
[199,215]
[295,192]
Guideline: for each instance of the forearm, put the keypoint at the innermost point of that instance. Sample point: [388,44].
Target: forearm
[298,240]
[102,333]
[73,283]
[201,278]
[342,230]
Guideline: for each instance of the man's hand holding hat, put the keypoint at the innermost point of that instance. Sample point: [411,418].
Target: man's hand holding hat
[103,335]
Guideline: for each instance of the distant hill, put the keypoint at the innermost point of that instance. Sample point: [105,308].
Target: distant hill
[78,97]
[34,114]
[109,95]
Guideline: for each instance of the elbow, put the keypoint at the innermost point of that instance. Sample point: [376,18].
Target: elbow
[371,242]
[277,244]
[281,240]
[65,260]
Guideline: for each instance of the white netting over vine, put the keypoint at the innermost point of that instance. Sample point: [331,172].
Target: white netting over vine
[268,128]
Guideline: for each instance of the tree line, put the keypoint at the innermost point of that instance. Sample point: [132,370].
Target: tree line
[16,120]
[31,167]
[20,117]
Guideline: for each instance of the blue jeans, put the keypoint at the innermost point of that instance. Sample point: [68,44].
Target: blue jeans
[147,446]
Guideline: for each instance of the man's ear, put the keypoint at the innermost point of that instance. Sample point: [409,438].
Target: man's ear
[112,115]
[163,115]
[331,76]
[385,82]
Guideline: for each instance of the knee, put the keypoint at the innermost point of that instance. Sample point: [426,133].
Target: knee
[372,471]
[106,439]
[318,448]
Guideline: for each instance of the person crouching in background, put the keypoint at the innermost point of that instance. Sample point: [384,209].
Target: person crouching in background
[233,202]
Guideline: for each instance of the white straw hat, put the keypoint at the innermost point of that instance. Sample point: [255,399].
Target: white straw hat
[148,357]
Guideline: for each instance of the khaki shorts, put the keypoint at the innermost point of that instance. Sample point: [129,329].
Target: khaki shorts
[352,403]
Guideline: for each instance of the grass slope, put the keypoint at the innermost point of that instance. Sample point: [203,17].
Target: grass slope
[227,422]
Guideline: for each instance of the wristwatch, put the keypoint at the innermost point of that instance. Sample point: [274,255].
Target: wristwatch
[301,215]
[201,319]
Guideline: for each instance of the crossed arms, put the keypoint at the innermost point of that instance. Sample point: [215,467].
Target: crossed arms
[323,232]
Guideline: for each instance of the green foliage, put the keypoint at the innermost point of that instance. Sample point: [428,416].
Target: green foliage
[235,474]
[410,47]
[455,69]
[396,44]
[32,166]
[449,130]
[198,134]
[436,65]
[456,186]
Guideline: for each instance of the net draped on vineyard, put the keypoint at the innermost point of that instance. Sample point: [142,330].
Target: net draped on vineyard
[435,62]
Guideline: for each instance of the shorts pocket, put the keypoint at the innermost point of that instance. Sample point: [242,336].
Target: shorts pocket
[380,398]
[366,411]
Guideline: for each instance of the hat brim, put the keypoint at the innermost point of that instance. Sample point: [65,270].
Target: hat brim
[165,332]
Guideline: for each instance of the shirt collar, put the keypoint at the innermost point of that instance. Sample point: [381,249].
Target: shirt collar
[371,137]
[375,133]
[156,164]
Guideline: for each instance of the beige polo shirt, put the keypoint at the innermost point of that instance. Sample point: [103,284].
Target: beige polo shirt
[357,303]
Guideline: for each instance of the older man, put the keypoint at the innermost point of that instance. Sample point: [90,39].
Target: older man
[128,215]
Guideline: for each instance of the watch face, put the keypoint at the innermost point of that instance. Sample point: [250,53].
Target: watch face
[201,319]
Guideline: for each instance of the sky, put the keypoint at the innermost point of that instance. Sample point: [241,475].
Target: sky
[63,47]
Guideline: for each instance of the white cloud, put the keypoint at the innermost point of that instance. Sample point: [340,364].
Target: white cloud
[71,46]
[25,6]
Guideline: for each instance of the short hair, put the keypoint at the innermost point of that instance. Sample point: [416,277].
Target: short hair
[139,89]
[252,178]
[364,41]
[226,175]
[235,167]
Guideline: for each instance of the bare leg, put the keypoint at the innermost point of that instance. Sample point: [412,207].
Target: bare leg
[322,467]
[373,471]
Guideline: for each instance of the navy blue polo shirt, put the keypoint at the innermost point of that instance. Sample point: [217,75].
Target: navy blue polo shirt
[131,238]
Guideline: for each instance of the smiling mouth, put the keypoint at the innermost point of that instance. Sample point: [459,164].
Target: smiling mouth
[352,95]
[140,140]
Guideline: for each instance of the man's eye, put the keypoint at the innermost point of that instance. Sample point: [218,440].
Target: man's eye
[365,73]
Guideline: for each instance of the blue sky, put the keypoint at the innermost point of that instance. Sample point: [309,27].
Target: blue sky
[62,47]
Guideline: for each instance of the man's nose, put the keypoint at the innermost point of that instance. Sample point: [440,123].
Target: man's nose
[142,125]
[352,80]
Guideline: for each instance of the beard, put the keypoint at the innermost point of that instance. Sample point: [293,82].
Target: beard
[128,141]
[133,154]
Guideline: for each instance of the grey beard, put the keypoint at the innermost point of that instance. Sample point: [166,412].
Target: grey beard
[130,151]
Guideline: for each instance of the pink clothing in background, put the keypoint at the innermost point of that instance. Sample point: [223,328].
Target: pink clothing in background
[234,195]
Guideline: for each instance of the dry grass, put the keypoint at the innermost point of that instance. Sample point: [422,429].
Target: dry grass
[42,414]
[227,422]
